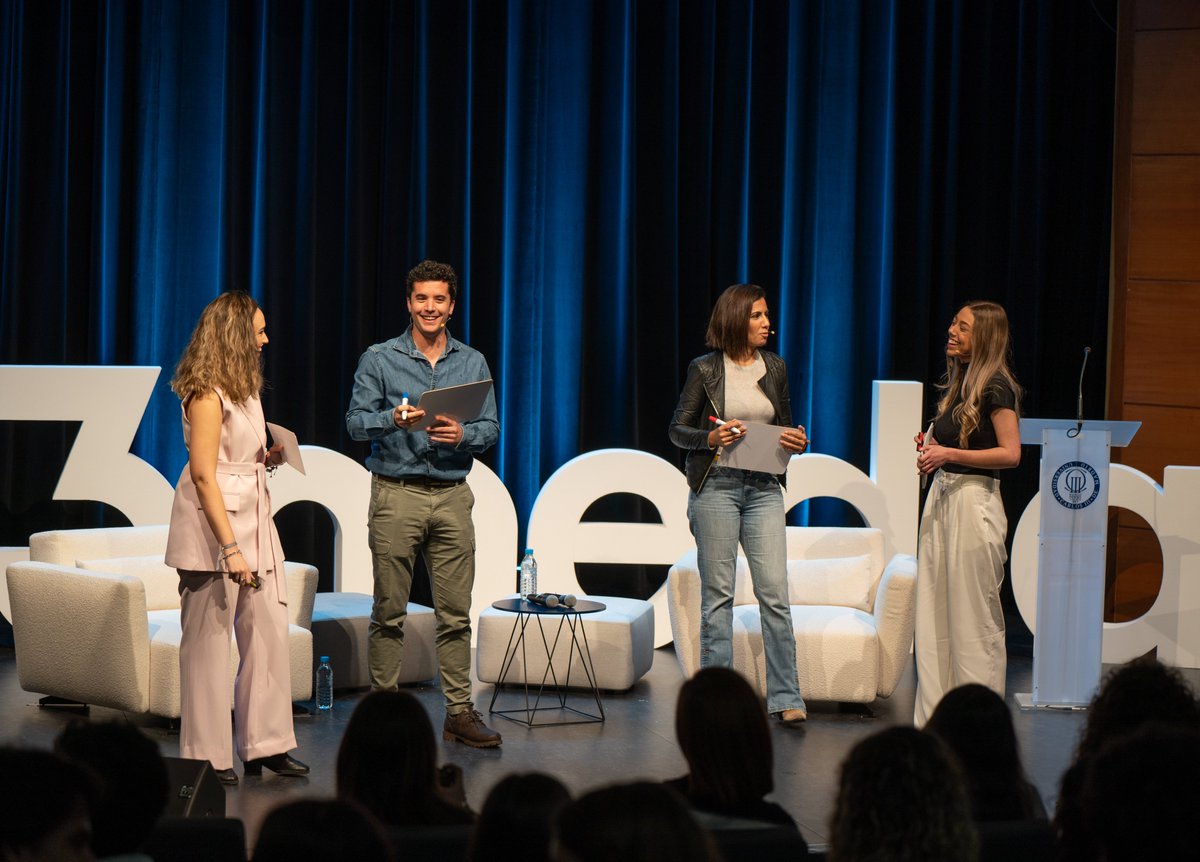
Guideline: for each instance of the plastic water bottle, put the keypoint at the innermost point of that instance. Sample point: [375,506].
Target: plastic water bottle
[528,575]
[324,684]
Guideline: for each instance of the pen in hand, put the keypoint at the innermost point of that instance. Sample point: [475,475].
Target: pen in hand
[737,431]
[403,403]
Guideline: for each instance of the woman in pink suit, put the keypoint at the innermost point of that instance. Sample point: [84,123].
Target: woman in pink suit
[225,546]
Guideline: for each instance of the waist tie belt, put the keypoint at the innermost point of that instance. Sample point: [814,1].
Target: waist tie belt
[265,547]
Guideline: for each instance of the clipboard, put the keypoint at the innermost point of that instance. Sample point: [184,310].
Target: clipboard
[290,443]
[758,450]
[463,403]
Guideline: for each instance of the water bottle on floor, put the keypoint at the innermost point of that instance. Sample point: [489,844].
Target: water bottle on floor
[528,575]
[324,684]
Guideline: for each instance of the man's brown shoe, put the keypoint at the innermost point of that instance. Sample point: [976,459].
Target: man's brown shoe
[468,727]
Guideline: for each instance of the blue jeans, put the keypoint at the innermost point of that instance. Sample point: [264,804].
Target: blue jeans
[738,505]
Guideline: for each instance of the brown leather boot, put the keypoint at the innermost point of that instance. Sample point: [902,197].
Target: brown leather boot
[468,727]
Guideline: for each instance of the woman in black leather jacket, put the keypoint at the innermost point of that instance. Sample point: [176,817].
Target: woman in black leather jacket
[728,505]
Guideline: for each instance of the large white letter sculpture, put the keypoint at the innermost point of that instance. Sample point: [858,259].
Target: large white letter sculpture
[109,402]
[343,487]
[1173,511]
[887,499]
[560,540]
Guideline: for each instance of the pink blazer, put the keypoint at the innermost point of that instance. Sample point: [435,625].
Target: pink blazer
[242,478]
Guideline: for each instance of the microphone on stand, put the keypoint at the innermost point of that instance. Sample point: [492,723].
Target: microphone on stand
[1079,401]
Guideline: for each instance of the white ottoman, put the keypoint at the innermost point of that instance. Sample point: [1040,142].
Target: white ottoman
[620,638]
[339,630]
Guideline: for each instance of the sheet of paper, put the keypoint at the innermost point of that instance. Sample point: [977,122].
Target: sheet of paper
[291,446]
[462,403]
[758,449]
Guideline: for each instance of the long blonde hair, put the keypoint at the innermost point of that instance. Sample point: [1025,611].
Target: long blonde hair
[222,353]
[991,356]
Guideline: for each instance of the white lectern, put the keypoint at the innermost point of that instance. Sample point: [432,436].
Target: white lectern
[1071,554]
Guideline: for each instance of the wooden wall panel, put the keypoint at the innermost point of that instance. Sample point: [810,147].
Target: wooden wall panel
[1162,344]
[1168,436]
[1166,74]
[1154,363]
[1166,14]
[1164,218]
[1135,572]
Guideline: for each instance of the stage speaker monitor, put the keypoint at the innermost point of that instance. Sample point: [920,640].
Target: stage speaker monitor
[193,789]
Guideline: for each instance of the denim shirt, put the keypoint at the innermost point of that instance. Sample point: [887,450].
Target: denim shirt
[387,370]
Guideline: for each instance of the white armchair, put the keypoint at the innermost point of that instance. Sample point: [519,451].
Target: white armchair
[852,615]
[95,617]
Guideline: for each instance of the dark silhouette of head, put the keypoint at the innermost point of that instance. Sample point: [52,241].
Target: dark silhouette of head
[723,733]
[332,829]
[1141,793]
[1130,696]
[517,817]
[1142,690]
[902,797]
[975,723]
[131,779]
[387,761]
[638,822]
[45,807]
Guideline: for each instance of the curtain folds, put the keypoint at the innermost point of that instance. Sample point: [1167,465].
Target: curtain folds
[597,171]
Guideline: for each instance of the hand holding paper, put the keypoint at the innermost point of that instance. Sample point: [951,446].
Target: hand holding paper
[758,449]
[290,445]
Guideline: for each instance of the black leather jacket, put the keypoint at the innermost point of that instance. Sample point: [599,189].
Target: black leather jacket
[704,395]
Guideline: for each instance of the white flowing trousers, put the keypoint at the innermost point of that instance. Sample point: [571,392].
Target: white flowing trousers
[960,566]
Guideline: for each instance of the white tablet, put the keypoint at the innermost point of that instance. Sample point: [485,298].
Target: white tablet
[462,403]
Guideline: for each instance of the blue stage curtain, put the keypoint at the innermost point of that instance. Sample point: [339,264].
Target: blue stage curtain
[597,171]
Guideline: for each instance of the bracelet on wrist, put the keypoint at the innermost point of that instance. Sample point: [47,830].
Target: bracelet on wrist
[230,545]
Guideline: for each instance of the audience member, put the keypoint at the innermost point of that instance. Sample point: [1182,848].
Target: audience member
[515,822]
[975,722]
[640,822]
[1131,695]
[131,779]
[722,730]
[388,764]
[45,808]
[902,797]
[1141,793]
[332,830]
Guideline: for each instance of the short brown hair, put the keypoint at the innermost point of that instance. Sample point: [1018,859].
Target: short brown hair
[729,326]
[431,270]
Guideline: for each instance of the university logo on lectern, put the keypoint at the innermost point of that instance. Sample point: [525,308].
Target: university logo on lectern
[1075,485]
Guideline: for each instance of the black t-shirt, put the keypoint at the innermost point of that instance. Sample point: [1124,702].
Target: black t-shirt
[999,394]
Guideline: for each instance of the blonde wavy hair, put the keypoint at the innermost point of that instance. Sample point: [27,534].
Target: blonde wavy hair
[991,356]
[222,353]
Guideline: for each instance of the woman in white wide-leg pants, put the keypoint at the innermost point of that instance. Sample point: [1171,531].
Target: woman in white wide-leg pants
[961,552]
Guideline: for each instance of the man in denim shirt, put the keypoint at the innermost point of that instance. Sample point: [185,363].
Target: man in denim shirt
[420,502]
